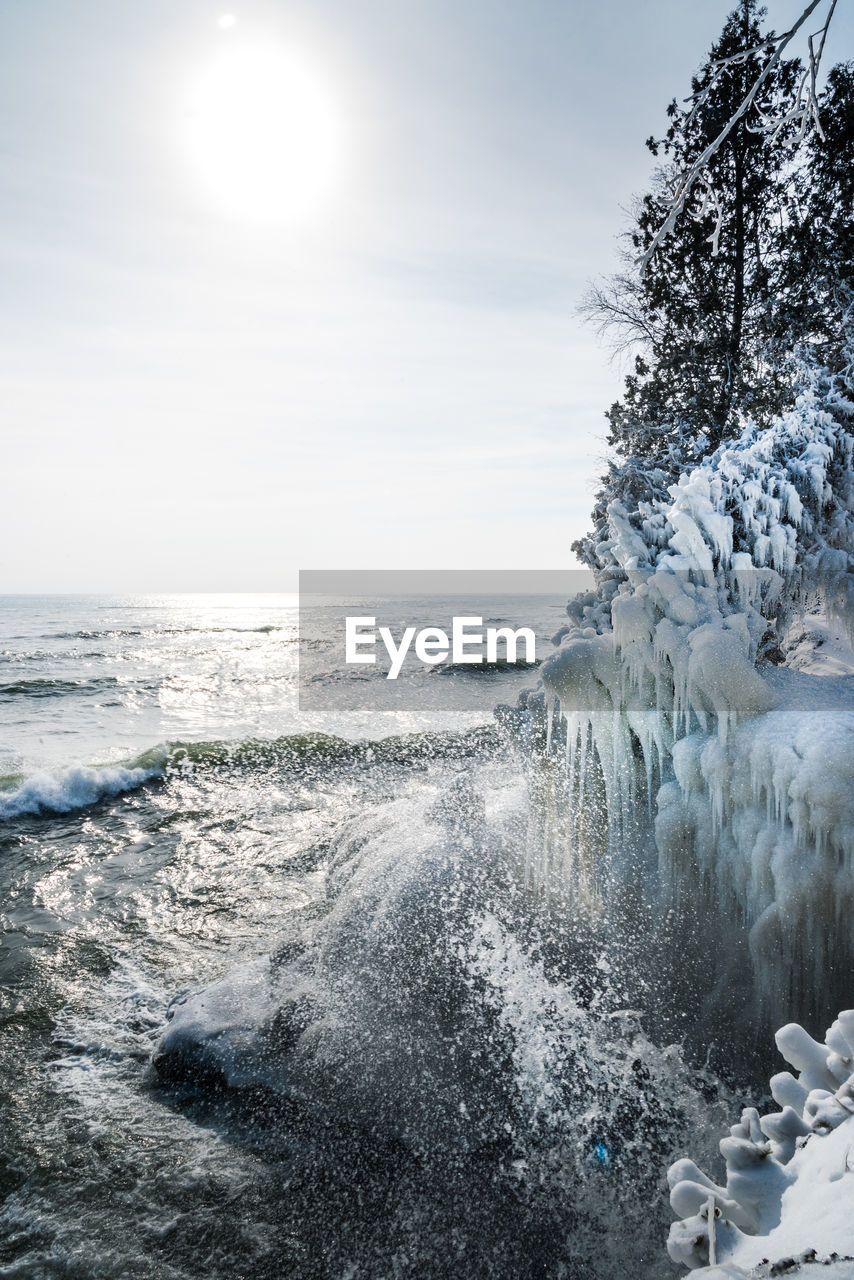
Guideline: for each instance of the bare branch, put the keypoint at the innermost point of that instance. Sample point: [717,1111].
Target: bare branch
[616,308]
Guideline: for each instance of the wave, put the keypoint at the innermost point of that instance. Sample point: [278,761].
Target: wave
[74,788]
[14,656]
[414,674]
[81,786]
[43,688]
[151,633]
[499,666]
[427,1015]
[300,749]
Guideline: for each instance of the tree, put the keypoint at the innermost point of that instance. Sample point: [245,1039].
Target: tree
[736,259]
[702,310]
[819,281]
[802,109]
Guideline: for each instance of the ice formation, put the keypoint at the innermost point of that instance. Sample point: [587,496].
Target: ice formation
[668,746]
[788,1200]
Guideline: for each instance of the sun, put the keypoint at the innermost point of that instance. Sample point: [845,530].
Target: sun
[264,135]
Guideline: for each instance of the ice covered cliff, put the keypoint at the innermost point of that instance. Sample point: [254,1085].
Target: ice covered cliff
[685,758]
[788,1202]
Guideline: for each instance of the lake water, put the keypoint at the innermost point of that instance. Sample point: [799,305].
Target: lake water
[404,1065]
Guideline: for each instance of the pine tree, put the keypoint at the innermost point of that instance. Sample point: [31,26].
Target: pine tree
[819,283]
[705,315]
[710,318]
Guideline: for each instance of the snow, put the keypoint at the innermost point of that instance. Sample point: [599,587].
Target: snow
[789,1192]
[818,647]
[666,696]
[660,699]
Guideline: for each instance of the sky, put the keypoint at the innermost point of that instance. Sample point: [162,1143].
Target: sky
[208,386]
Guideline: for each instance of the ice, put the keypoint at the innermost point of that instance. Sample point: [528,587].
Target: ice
[771,813]
[662,699]
[677,743]
[789,1193]
[675,769]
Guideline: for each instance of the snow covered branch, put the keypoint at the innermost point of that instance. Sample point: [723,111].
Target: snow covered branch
[802,113]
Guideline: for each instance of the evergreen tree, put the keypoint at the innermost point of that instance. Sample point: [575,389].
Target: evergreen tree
[706,315]
[819,283]
[710,318]
[756,275]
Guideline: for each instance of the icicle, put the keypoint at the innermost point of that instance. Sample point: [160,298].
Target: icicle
[550,722]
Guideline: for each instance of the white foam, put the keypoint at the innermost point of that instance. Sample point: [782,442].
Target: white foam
[75,788]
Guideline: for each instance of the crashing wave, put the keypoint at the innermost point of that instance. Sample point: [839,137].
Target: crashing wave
[74,788]
[788,1200]
[430,1002]
[79,786]
[428,1005]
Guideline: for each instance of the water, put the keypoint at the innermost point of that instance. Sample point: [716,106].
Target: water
[400,1065]
[100,679]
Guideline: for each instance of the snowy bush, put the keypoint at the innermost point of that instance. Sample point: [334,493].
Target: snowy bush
[789,1193]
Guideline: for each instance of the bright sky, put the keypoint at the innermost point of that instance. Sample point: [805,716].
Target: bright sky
[255,320]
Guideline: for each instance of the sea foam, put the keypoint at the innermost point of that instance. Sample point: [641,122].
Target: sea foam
[74,788]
